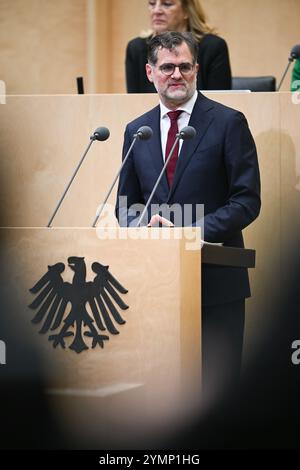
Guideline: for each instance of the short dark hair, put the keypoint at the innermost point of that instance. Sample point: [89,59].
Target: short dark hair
[170,41]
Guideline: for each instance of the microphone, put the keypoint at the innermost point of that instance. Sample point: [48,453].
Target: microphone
[186,133]
[143,133]
[101,133]
[294,54]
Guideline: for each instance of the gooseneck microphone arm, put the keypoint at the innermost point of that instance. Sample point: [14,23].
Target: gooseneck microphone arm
[186,133]
[285,72]
[143,133]
[101,133]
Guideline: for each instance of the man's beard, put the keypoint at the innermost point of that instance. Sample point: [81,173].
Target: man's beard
[183,93]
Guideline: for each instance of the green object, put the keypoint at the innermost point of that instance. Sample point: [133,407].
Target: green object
[295,81]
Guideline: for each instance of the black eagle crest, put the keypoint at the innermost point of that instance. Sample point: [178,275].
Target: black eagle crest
[101,295]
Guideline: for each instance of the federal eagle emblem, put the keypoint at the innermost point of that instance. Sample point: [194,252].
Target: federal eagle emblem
[55,295]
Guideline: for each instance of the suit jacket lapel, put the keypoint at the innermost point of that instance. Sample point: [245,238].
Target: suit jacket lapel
[200,120]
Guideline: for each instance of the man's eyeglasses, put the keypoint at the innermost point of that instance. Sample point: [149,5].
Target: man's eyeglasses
[168,69]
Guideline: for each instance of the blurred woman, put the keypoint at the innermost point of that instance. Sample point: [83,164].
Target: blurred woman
[180,15]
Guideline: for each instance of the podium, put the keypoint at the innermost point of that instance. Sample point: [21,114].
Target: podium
[133,298]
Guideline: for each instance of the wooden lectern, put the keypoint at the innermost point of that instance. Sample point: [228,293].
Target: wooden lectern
[147,373]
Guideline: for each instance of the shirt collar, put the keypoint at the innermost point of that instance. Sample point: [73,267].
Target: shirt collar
[187,107]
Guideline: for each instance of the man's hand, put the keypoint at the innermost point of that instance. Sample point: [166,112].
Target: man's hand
[159,221]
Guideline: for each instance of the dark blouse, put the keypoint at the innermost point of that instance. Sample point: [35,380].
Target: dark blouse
[213,59]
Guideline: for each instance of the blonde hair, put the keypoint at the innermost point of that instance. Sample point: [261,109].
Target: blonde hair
[197,23]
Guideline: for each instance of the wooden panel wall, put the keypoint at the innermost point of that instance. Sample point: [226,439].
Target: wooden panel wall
[260,33]
[45,44]
[53,132]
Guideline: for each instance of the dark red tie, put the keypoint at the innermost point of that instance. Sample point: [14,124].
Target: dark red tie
[173,115]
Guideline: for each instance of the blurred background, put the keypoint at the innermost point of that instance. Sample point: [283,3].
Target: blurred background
[46,44]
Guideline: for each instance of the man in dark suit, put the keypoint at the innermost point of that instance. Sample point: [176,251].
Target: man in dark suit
[218,168]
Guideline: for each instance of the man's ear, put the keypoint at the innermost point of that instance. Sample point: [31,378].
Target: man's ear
[149,72]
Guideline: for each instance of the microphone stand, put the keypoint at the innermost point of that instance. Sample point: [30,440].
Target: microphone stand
[70,182]
[178,137]
[99,211]
[285,72]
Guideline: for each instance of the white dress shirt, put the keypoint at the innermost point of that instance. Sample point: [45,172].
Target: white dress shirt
[183,120]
